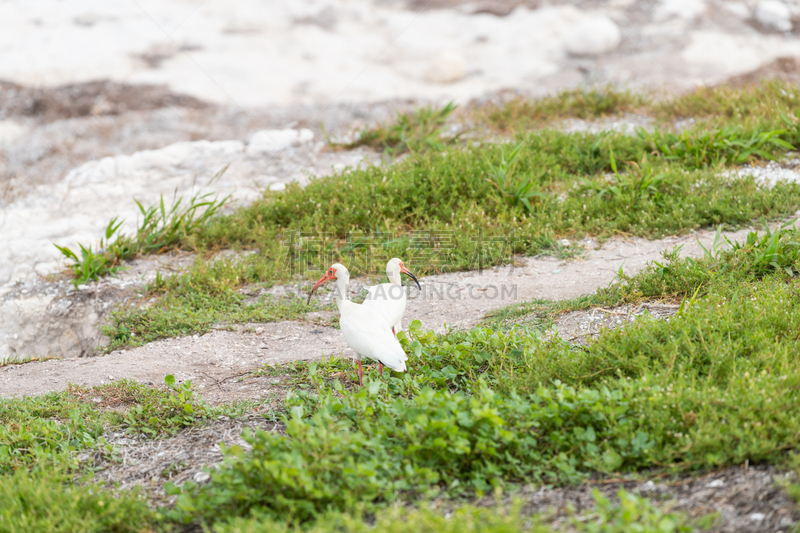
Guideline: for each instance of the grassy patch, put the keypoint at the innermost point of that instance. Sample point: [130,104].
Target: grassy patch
[21,360]
[761,105]
[480,411]
[194,302]
[452,206]
[45,500]
[421,130]
[161,229]
[522,114]
[461,208]
[456,210]
[632,513]
[46,429]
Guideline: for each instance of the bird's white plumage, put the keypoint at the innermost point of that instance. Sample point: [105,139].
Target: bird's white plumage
[364,330]
[368,334]
[389,299]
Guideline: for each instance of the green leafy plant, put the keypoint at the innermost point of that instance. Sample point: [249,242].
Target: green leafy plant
[167,414]
[699,149]
[633,513]
[160,230]
[638,183]
[515,190]
[92,265]
[163,229]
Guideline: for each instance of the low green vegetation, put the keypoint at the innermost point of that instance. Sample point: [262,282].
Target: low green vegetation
[46,429]
[45,500]
[207,295]
[452,205]
[424,129]
[522,114]
[161,230]
[759,106]
[482,409]
[633,513]
[458,209]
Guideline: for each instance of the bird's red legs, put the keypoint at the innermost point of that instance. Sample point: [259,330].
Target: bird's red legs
[360,374]
[393,333]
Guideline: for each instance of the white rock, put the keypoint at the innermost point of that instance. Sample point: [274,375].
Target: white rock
[305,135]
[11,130]
[774,14]
[592,36]
[684,9]
[756,517]
[277,186]
[265,141]
[201,477]
[739,9]
[564,242]
[717,483]
[447,67]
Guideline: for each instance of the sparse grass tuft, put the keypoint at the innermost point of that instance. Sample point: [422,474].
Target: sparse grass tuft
[419,131]
[758,106]
[522,114]
[21,360]
[160,230]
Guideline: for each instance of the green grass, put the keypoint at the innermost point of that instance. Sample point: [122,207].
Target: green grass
[484,411]
[21,360]
[452,205]
[632,514]
[760,105]
[161,230]
[208,294]
[522,114]
[45,500]
[419,131]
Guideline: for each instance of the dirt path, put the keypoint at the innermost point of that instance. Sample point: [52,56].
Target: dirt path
[216,361]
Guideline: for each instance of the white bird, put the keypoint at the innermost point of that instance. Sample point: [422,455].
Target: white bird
[364,330]
[389,299]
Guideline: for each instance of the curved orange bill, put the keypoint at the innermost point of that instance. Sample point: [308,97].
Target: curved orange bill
[407,272]
[326,277]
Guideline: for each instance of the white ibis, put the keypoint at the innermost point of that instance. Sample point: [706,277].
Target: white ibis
[364,330]
[389,299]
